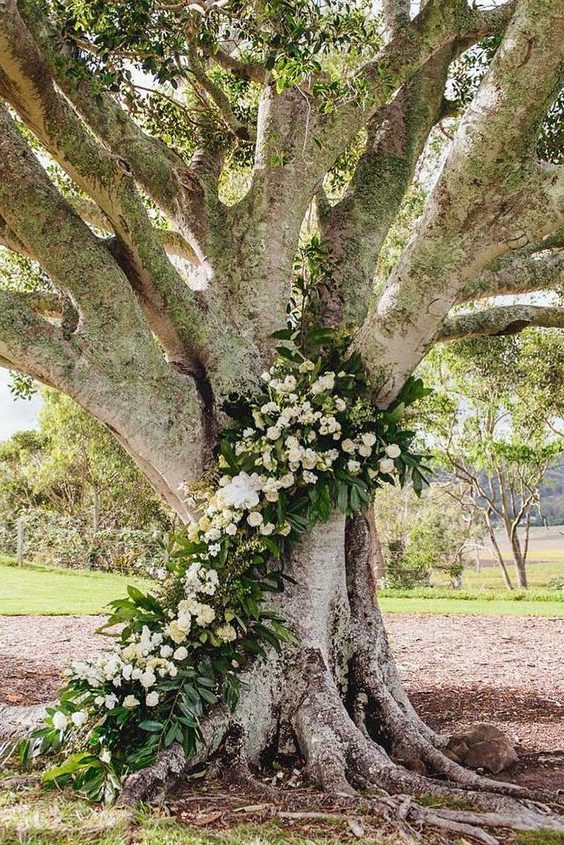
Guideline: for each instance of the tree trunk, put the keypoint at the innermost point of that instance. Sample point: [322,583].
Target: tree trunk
[497,552]
[334,699]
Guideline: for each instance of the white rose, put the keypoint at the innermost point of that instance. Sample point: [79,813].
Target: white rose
[393,450]
[287,480]
[79,718]
[267,528]
[231,529]
[166,651]
[254,519]
[176,634]
[348,446]
[60,721]
[294,455]
[273,433]
[364,450]
[181,653]
[130,702]
[353,467]
[99,700]
[369,439]
[386,466]
[110,701]
[152,699]
[147,679]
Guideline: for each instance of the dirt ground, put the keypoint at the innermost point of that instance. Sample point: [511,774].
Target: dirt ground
[508,671]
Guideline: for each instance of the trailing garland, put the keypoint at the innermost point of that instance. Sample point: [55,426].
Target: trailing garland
[309,442]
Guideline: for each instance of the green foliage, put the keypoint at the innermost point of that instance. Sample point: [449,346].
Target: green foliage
[421,537]
[82,500]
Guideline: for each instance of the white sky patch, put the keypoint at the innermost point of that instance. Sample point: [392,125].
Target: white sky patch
[16,414]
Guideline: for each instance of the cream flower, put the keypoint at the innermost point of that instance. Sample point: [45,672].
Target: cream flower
[152,699]
[393,450]
[386,465]
[254,519]
[60,721]
[79,718]
[130,702]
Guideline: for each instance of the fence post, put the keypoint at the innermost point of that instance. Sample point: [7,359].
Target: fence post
[20,541]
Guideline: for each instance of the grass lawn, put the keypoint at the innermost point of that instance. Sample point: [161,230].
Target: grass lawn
[490,578]
[474,607]
[53,592]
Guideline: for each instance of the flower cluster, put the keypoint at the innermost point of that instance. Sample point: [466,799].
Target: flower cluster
[309,442]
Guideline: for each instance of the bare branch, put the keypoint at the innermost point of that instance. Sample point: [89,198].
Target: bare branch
[252,71]
[488,201]
[33,345]
[173,242]
[501,320]
[538,266]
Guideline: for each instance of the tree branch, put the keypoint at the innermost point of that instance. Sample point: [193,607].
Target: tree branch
[501,320]
[538,266]
[173,242]
[488,201]
[168,303]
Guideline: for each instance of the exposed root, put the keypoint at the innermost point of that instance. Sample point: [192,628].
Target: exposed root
[153,783]
[16,722]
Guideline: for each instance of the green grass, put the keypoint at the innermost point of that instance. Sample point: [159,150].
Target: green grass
[54,592]
[490,577]
[473,607]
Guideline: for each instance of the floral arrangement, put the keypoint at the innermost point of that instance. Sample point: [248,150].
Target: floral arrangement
[309,442]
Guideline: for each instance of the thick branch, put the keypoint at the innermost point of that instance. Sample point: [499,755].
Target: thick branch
[524,271]
[33,345]
[173,242]
[503,320]
[168,303]
[489,200]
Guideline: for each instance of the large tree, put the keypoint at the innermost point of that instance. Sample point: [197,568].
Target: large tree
[290,90]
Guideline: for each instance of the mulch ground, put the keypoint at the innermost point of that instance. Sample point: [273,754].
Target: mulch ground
[458,670]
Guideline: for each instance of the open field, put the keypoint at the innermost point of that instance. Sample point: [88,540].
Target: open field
[44,589]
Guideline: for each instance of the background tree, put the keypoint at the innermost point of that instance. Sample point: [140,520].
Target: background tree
[82,500]
[423,536]
[283,90]
[495,421]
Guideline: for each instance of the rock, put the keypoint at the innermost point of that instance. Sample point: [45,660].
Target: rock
[482,746]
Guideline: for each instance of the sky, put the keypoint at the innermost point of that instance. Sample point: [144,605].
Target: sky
[15,414]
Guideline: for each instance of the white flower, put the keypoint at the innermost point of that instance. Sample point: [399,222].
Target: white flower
[181,653]
[152,699]
[166,651]
[79,718]
[213,534]
[309,477]
[386,465]
[214,549]
[393,450]
[60,721]
[99,700]
[266,376]
[176,634]
[231,529]
[364,450]
[105,755]
[204,615]
[292,442]
[309,459]
[268,408]
[248,432]
[369,439]
[273,432]
[340,404]
[353,467]
[110,701]
[147,679]
[348,446]
[258,420]
[241,492]
[226,633]
[287,480]
[254,519]
[294,455]
[130,702]
[267,528]
[285,530]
